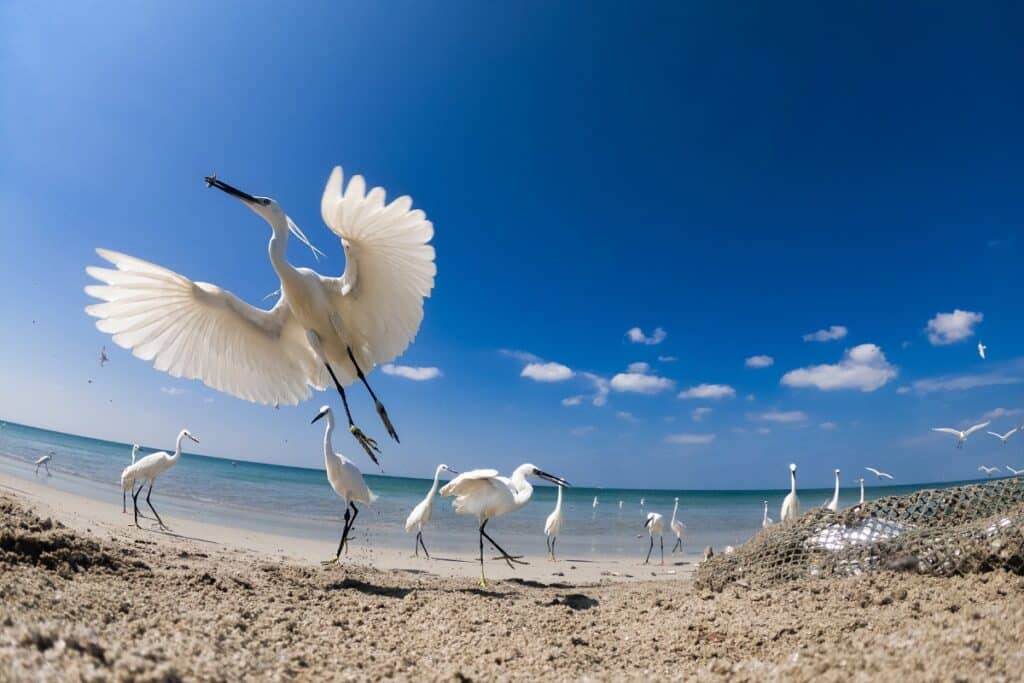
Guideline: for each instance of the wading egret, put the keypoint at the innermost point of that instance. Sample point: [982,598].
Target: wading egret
[322,329]
[148,469]
[861,503]
[423,511]
[641,502]
[677,527]
[43,462]
[127,483]
[1005,437]
[766,521]
[961,434]
[879,473]
[790,504]
[594,504]
[833,504]
[988,470]
[981,350]
[486,495]
[346,480]
[620,505]
[655,525]
[553,525]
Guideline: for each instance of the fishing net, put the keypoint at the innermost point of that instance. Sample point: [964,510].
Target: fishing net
[938,532]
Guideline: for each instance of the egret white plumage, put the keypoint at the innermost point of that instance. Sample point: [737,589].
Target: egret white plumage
[641,502]
[988,470]
[44,462]
[791,503]
[620,504]
[981,350]
[1005,437]
[148,469]
[346,480]
[594,504]
[766,521]
[655,525]
[322,329]
[861,503]
[879,473]
[1015,472]
[424,510]
[833,504]
[128,483]
[677,527]
[961,434]
[486,495]
[553,525]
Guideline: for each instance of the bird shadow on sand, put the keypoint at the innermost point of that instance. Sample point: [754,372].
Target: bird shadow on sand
[484,592]
[183,537]
[574,601]
[530,583]
[368,588]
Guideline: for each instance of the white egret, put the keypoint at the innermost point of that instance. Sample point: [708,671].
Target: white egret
[655,525]
[486,495]
[878,473]
[677,527]
[766,521]
[43,462]
[961,434]
[342,325]
[861,503]
[833,504]
[620,505]
[103,357]
[1005,437]
[988,470]
[553,525]
[127,482]
[594,504]
[1015,472]
[791,503]
[346,480]
[981,350]
[148,469]
[641,502]
[424,510]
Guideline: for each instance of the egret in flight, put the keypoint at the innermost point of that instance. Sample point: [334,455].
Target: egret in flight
[981,350]
[879,473]
[128,484]
[321,330]
[103,357]
[553,525]
[833,504]
[677,527]
[148,469]
[961,434]
[766,521]
[1005,437]
[988,470]
[791,503]
[424,510]
[486,495]
[655,525]
[346,480]
[1014,472]
[43,462]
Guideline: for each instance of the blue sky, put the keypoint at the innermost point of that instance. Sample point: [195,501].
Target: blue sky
[738,177]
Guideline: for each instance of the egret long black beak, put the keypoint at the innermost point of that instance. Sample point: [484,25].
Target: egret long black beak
[453,471]
[318,417]
[647,523]
[193,438]
[552,478]
[212,181]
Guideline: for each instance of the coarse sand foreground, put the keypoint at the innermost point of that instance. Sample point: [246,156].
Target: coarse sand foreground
[83,601]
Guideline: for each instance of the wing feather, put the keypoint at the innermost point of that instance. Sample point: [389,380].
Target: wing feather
[947,430]
[976,427]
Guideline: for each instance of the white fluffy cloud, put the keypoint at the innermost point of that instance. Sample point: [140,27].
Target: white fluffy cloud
[601,388]
[831,334]
[783,416]
[690,439]
[573,400]
[416,374]
[641,368]
[761,361]
[948,328]
[547,372]
[639,383]
[637,336]
[863,367]
[698,414]
[709,391]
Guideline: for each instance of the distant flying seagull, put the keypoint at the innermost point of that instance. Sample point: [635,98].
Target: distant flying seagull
[1005,437]
[1015,472]
[981,350]
[988,470]
[878,473]
[103,356]
[961,435]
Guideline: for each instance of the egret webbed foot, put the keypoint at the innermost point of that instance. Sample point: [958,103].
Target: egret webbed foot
[369,445]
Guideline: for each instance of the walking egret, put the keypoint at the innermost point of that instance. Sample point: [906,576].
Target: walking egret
[43,462]
[1005,437]
[346,480]
[148,469]
[878,473]
[424,510]
[128,484]
[833,504]
[655,525]
[766,521]
[553,525]
[486,495]
[791,503]
[322,329]
[677,527]
[961,434]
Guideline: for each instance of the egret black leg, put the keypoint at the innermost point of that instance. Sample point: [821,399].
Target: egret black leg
[553,541]
[368,444]
[344,535]
[662,539]
[376,402]
[124,501]
[355,513]
[678,545]
[509,559]
[135,503]
[424,545]
[483,581]
[416,543]
[649,549]
[547,542]
[150,504]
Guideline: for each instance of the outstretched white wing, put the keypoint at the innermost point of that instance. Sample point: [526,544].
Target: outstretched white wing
[968,432]
[469,481]
[947,430]
[389,266]
[200,331]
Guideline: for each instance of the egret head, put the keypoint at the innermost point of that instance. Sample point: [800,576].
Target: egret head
[324,410]
[188,435]
[444,468]
[534,471]
[792,468]
[651,516]
[837,472]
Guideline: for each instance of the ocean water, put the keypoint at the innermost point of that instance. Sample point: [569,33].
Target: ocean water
[299,502]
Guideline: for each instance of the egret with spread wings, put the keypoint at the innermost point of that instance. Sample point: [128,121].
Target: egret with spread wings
[321,329]
[961,434]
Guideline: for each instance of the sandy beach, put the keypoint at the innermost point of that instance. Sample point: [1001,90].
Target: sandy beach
[86,596]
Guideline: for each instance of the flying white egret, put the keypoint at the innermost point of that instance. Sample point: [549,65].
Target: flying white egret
[486,495]
[322,329]
[833,504]
[1015,472]
[1005,437]
[424,510]
[553,525]
[346,480]
[148,469]
[43,462]
[878,473]
[791,503]
[655,525]
[127,483]
[988,470]
[677,527]
[103,357]
[961,434]
[766,521]
[981,350]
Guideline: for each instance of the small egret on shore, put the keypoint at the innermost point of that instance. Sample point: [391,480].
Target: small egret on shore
[594,504]
[43,462]
[486,495]
[791,503]
[981,350]
[1005,437]
[553,525]
[879,473]
[988,470]
[766,521]
[128,483]
[861,503]
[677,527]
[424,510]
[1015,472]
[641,502]
[655,525]
[151,467]
[961,434]
[620,505]
[833,504]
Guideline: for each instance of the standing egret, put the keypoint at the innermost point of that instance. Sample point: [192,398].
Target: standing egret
[486,495]
[43,462]
[148,469]
[641,502]
[861,503]
[553,525]
[677,527]
[1005,437]
[655,525]
[879,473]
[322,329]
[594,504]
[127,482]
[424,510]
[766,521]
[961,434]
[346,480]
[790,504]
[620,505]
[981,350]
[833,504]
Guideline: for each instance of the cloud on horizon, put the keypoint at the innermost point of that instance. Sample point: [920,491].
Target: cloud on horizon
[781,416]
[690,439]
[863,368]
